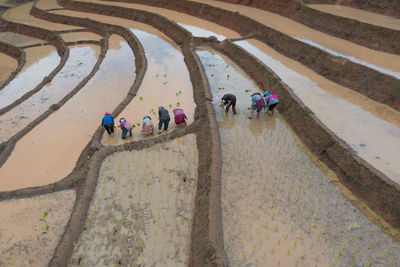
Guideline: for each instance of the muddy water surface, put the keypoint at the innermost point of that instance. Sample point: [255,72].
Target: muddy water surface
[360,15]
[278,203]
[48,4]
[373,139]
[40,62]
[142,210]
[49,152]
[297,30]
[196,26]
[166,83]
[31,228]
[21,14]
[19,40]
[80,36]
[79,64]
[7,66]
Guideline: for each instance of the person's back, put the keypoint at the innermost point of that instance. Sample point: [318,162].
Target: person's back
[180,116]
[163,114]
[147,127]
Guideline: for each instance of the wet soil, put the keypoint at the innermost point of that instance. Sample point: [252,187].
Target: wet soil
[360,15]
[19,40]
[79,64]
[21,15]
[7,66]
[279,205]
[372,138]
[76,121]
[48,5]
[31,228]
[166,83]
[297,30]
[80,36]
[40,62]
[142,213]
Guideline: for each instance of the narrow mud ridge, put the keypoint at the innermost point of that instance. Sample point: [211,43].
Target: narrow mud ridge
[16,53]
[339,70]
[385,7]
[368,35]
[361,178]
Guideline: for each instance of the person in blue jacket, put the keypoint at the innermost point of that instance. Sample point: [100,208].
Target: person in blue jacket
[108,123]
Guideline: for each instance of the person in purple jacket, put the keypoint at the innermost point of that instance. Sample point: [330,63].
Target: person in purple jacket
[179,116]
[125,128]
[108,123]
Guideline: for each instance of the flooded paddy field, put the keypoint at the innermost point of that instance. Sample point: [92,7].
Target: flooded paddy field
[279,205]
[226,189]
[75,70]
[142,213]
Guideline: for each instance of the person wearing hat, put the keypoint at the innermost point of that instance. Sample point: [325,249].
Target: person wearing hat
[125,128]
[179,116]
[271,101]
[108,123]
[229,100]
[147,126]
[164,118]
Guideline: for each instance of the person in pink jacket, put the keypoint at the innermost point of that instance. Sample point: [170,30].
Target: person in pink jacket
[179,116]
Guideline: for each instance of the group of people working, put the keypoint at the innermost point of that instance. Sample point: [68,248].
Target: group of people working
[258,103]
[147,123]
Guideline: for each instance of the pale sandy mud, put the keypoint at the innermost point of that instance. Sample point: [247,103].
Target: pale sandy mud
[80,36]
[7,66]
[375,140]
[80,63]
[30,228]
[142,210]
[21,15]
[279,205]
[166,83]
[51,149]
[19,40]
[48,4]
[360,15]
[40,62]
[297,30]
[198,27]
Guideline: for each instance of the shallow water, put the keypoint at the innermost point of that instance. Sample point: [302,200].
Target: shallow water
[360,15]
[47,4]
[7,66]
[22,225]
[40,62]
[278,203]
[21,15]
[198,27]
[19,40]
[49,152]
[373,139]
[297,30]
[79,64]
[80,36]
[142,210]
[166,83]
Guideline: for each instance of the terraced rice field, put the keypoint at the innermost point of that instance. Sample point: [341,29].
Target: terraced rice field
[316,183]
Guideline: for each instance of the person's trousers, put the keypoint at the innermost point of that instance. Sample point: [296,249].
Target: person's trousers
[109,128]
[165,122]
[125,132]
[233,104]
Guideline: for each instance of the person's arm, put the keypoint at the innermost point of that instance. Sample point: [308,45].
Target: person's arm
[102,122]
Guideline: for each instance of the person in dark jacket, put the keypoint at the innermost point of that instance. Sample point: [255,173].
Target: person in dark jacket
[108,123]
[229,100]
[164,118]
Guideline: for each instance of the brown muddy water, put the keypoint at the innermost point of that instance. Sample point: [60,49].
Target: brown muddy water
[279,205]
[7,66]
[166,83]
[360,15]
[142,210]
[21,15]
[375,140]
[31,228]
[80,36]
[40,62]
[19,40]
[198,27]
[297,30]
[80,63]
[49,152]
